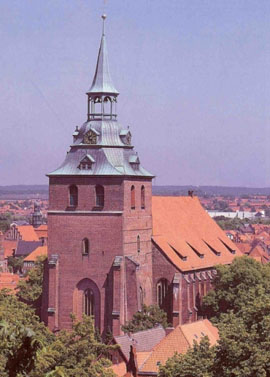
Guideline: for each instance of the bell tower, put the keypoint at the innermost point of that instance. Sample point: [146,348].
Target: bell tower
[99,219]
[102,95]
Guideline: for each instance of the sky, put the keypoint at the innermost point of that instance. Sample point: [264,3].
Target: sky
[193,77]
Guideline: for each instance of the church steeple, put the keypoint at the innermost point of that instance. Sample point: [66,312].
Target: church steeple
[102,93]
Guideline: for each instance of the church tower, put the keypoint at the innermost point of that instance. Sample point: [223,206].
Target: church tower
[99,219]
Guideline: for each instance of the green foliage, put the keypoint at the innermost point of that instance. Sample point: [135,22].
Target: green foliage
[5,221]
[28,348]
[244,346]
[236,286]
[75,353]
[197,362]
[240,307]
[15,263]
[235,223]
[30,289]
[147,318]
[21,335]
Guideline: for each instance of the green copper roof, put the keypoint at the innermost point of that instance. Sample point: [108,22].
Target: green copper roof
[102,82]
[110,151]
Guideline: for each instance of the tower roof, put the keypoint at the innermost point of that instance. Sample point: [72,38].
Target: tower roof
[102,82]
[101,147]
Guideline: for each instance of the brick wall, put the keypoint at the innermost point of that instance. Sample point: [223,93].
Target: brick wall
[192,286]
[110,234]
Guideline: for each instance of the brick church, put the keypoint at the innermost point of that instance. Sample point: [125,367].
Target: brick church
[112,247]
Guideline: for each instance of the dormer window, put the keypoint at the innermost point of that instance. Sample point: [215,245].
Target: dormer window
[86,163]
[125,136]
[134,162]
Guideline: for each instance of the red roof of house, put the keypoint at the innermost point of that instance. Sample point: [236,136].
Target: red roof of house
[27,233]
[9,280]
[244,247]
[259,254]
[42,231]
[9,247]
[188,236]
[39,251]
[179,340]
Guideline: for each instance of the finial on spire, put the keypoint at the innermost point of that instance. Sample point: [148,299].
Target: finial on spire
[104,16]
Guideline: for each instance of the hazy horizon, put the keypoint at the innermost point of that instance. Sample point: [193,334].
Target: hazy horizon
[192,77]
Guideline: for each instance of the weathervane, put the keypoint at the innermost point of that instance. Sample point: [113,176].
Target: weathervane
[103,26]
[104,16]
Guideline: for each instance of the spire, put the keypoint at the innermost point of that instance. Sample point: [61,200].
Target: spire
[102,82]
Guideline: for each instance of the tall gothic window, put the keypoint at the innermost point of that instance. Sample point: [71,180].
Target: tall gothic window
[142,197]
[73,196]
[141,297]
[99,196]
[162,293]
[88,302]
[132,197]
[85,246]
[138,244]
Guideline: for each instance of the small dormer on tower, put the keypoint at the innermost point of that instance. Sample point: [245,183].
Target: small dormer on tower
[102,96]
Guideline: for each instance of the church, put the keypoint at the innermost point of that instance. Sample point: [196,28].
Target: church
[112,247]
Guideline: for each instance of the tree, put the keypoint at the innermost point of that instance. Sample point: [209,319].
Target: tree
[240,306]
[197,362]
[15,263]
[21,336]
[236,286]
[75,353]
[243,349]
[147,318]
[5,221]
[28,348]
[30,289]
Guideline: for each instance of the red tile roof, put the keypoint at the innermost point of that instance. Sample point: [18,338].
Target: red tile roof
[42,231]
[188,236]
[244,247]
[27,233]
[9,281]
[259,254]
[39,251]
[179,340]
[9,247]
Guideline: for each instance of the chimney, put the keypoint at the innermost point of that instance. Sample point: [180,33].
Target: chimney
[190,193]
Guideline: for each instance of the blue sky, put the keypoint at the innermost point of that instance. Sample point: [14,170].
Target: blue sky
[193,78]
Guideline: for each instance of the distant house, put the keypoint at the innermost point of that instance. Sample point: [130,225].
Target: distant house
[25,248]
[21,232]
[246,228]
[237,214]
[30,260]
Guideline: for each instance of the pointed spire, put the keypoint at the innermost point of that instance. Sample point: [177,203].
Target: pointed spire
[102,82]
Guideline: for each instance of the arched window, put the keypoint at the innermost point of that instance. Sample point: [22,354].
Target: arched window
[88,302]
[99,196]
[73,196]
[85,246]
[142,197]
[141,297]
[107,106]
[98,106]
[162,293]
[138,244]
[132,197]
